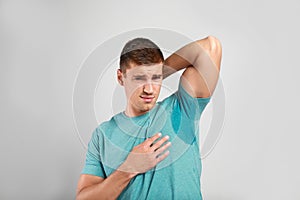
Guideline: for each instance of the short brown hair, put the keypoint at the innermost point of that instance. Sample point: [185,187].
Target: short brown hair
[140,51]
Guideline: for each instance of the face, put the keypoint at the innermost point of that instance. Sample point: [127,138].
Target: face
[142,87]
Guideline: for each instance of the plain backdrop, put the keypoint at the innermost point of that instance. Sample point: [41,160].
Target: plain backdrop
[44,42]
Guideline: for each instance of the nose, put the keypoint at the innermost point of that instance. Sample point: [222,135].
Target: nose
[148,88]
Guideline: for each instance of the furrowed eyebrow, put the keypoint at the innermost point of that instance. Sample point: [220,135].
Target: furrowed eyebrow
[139,75]
[154,76]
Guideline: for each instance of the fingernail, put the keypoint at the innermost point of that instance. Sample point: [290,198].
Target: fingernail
[167,137]
[159,134]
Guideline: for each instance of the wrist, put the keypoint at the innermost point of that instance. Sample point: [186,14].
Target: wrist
[127,171]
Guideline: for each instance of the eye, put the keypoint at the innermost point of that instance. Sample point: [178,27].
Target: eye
[156,77]
[139,78]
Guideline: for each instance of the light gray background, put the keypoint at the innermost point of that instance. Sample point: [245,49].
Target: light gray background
[43,44]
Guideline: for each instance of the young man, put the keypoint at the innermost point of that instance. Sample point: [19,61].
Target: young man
[151,150]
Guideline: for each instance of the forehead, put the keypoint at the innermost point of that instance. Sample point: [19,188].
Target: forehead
[145,70]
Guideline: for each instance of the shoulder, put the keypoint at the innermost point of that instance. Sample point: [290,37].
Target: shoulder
[168,101]
[107,125]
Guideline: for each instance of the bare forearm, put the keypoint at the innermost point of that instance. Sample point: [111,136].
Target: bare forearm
[198,54]
[181,59]
[110,188]
[141,159]
[202,60]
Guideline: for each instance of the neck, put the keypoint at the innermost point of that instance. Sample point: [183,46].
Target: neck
[133,113]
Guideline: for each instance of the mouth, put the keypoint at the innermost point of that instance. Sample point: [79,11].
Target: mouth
[147,99]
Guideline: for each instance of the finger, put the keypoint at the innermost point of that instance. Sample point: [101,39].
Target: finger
[163,148]
[149,141]
[163,156]
[159,143]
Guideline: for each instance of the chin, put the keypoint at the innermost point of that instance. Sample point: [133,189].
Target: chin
[146,108]
[149,107]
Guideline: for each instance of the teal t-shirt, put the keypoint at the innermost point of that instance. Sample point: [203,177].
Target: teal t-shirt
[176,177]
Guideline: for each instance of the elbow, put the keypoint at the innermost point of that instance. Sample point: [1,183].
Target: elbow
[78,196]
[214,43]
[211,44]
[213,47]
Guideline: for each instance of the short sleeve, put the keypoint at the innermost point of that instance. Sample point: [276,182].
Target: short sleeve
[93,165]
[190,107]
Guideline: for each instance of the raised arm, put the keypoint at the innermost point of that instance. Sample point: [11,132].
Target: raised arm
[201,60]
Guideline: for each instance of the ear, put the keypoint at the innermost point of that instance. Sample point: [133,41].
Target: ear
[120,77]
